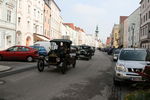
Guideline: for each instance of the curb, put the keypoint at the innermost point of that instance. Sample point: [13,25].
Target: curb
[7,73]
[6,69]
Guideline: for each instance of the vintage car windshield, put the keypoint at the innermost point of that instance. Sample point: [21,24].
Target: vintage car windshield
[134,55]
[54,46]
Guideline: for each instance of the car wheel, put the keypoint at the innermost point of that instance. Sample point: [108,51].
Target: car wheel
[40,65]
[29,59]
[1,57]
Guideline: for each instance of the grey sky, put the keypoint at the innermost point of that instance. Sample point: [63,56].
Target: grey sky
[89,13]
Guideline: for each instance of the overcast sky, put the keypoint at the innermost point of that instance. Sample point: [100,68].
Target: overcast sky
[89,13]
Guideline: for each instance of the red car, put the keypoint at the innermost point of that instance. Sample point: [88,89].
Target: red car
[19,53]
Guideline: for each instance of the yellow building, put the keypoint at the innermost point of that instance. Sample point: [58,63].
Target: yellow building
[115,36]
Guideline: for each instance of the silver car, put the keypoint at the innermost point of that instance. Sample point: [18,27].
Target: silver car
[115,54]
[131,61]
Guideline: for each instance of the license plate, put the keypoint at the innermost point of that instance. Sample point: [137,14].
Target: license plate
[136,79]
[115,57]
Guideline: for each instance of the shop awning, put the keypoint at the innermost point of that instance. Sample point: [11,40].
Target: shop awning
[38,37]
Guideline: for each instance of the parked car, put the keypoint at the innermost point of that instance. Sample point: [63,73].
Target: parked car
[41,50]
[111,51]
[115,54]
[74,49]
[19,53]
[131,61]
[45,44]
[85,52]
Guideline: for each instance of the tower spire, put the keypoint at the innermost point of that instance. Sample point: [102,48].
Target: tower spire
[96,31]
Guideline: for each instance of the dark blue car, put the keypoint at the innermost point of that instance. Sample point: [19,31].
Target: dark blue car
[41,50]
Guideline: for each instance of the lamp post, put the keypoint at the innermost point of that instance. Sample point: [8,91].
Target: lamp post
[133,28]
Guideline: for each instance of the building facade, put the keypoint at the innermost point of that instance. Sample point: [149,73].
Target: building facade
[122,19]
[125,35]
[115,35]
[7,23]
[145,24]
[47,19]
[29,21]
[56,21]
[134,28]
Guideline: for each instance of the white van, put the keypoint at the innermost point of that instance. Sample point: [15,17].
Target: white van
[45,44]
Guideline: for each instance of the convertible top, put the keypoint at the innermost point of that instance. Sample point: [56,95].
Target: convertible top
[61,40]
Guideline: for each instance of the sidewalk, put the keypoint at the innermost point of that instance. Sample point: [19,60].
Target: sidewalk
[6,70]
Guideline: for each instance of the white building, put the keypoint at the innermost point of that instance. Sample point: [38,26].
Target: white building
[29,21]
[56,21]
[145,24]
[69,32]
[133,28]
[7,23]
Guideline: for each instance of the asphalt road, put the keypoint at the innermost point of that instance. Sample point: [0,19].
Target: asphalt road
[90,80]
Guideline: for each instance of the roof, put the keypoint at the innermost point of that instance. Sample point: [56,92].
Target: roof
[61,40]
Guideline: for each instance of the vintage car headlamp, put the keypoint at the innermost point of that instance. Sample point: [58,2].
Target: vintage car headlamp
[58,59]
[120,67]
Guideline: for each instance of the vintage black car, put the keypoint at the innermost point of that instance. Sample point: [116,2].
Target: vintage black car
[85,52]
[60,55]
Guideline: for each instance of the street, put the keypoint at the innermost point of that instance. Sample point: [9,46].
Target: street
[90,80]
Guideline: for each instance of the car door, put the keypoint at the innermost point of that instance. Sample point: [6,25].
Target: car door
[9,54]
[22,53]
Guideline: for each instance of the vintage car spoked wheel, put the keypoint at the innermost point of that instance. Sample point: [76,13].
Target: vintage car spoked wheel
[40,65]
[64,68]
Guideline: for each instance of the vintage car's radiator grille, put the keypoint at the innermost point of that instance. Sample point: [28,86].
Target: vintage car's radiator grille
[135,69]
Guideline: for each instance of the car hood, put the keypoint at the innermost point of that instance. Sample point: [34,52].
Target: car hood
[133,64]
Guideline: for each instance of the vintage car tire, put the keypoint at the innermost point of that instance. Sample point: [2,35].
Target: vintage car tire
[29,58]
[40,65]
[64,68]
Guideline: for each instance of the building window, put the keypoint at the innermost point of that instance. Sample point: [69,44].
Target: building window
[29,7]
[19,1]
[19,20]
[34,12]
[28,25]
[8,15]
[8,39]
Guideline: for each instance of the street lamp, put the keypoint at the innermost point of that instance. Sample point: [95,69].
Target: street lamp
[133,28]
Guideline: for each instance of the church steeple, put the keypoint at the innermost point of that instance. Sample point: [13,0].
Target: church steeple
[96,31]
